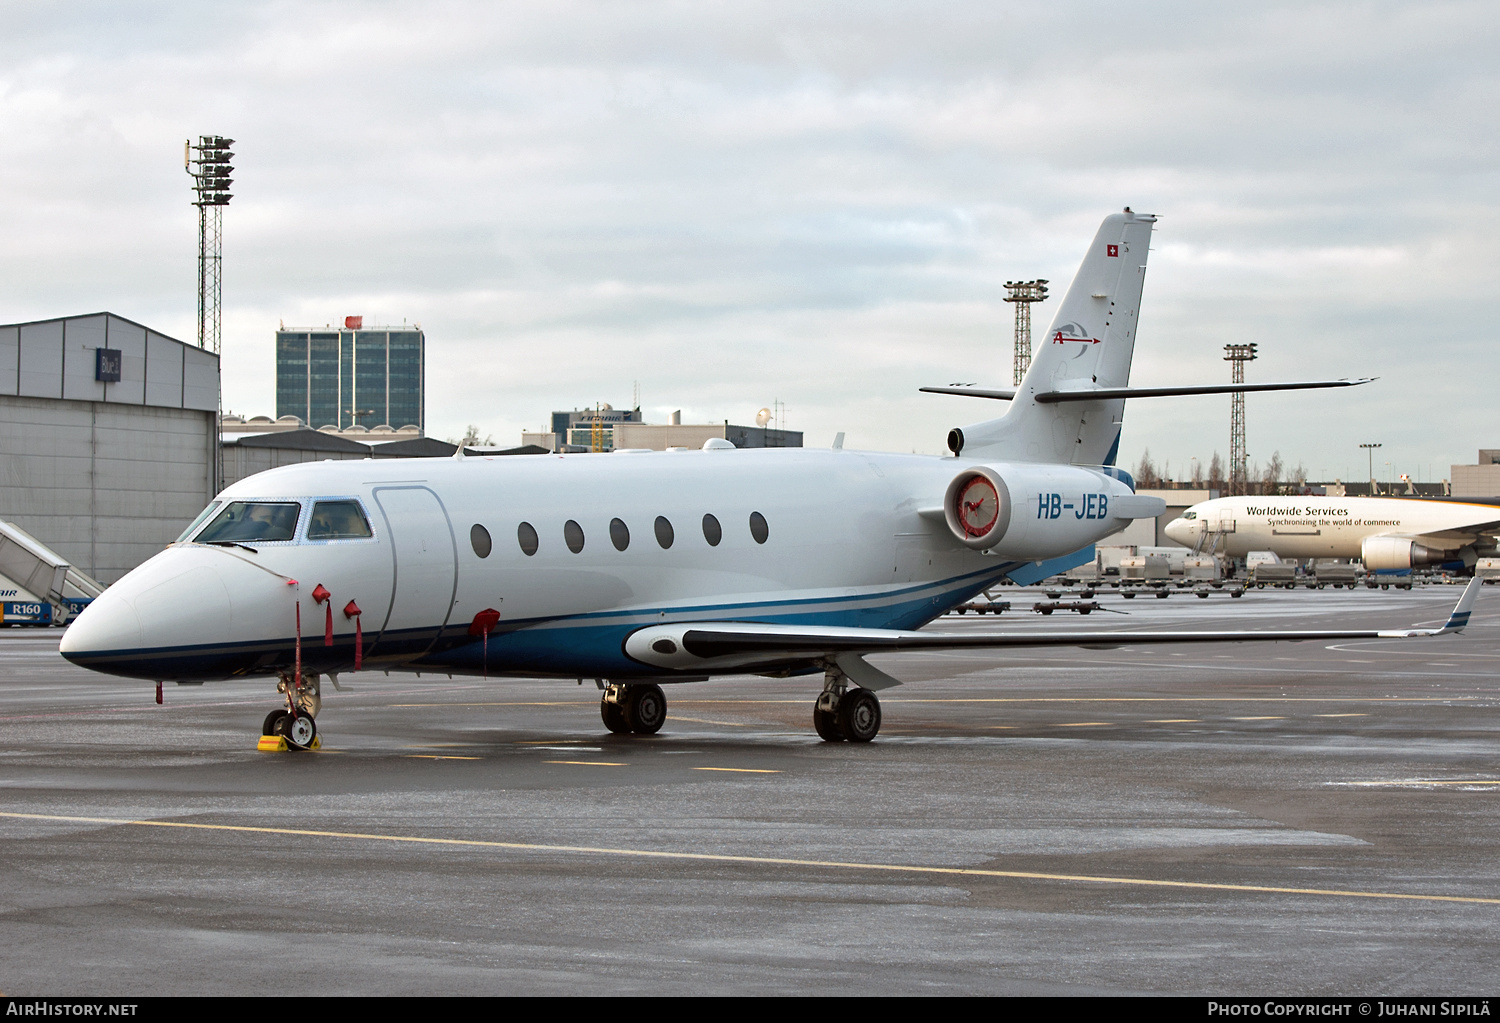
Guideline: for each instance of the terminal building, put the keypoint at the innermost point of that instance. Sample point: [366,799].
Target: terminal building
[605,428]
[356,376]
[1479,480]
[108,436]
[259,443]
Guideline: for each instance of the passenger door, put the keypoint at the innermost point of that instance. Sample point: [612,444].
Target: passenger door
[424,571]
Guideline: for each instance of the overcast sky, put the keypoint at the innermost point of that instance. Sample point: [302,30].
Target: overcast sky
[734,203]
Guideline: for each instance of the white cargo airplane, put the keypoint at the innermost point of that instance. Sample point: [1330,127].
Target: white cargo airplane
[1386,533]
[639,569]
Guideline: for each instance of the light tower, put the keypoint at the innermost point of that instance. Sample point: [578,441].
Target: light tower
[1237,356]
[212,174]
[1370,450]
[1023,293]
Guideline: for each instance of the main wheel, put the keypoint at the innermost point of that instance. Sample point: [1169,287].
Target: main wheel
[272,720]
[859,715]
[826,724]
[614,717]
[645,708]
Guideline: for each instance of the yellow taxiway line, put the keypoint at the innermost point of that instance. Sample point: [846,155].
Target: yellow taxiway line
[587,763]
[739,770]
[770,861]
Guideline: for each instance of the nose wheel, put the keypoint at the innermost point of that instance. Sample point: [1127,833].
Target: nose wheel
[299,731]
[637,707]
[294,722]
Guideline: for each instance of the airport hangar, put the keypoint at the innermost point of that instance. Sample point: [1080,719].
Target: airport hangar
[107,437]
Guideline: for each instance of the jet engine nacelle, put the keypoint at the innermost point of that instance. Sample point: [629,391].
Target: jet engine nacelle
[1396,552]
[1039,511]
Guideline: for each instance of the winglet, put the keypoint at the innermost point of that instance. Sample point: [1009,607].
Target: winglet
[1460,616]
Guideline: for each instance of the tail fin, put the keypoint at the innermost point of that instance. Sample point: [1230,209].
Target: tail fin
[1088,346]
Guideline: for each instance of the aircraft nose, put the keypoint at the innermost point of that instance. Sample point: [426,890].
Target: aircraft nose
[151,623]
[1180,530]
[109,623]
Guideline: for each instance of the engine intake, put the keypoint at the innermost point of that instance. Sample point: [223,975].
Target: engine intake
[1397,553]
[978,508]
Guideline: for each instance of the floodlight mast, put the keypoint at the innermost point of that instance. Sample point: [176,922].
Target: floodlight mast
[212,174]
[1237,356]
[1023,293]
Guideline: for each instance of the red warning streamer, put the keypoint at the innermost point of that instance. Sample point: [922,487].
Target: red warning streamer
[483,624]
[322,596]
[351,610]
[298,678]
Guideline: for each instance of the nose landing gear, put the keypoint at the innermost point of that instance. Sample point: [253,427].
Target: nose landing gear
[295,723]
[635,707]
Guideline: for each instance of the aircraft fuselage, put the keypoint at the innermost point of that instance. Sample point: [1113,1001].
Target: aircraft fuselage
[786,536]
[1324,527]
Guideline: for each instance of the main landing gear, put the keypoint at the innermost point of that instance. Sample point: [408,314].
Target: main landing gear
[294,723]
[843,713]
[639,707]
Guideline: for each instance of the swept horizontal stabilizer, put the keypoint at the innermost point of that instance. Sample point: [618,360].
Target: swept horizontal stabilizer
[971,392]
[1105,393]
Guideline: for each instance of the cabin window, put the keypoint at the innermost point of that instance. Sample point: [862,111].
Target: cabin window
[573,535]
[202,517]
[253,520]
[338,520]
[663,532]
[527,538]
[758,527]
[479,539]
[619,534]
[712,531]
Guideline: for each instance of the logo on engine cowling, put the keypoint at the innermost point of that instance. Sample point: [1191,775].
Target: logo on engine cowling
[977,507]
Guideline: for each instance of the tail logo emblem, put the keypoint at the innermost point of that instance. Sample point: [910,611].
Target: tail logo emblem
[1111,250]
[1072,332]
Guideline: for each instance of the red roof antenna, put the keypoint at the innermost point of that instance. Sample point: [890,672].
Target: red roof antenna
[354,322]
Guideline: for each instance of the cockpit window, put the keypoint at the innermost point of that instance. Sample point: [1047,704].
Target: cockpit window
[202,517]
[1190,515]
[252,520]
[337,520]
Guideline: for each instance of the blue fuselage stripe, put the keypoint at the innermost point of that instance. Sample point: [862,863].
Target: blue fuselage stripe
[588,644]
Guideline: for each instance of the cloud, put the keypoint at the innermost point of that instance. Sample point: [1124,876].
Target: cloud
[812,202]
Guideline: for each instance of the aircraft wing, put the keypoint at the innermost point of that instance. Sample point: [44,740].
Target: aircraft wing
[1456,536]
[755,646]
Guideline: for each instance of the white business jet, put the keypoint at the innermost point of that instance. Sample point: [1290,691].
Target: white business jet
[642,569]
[1386,533]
